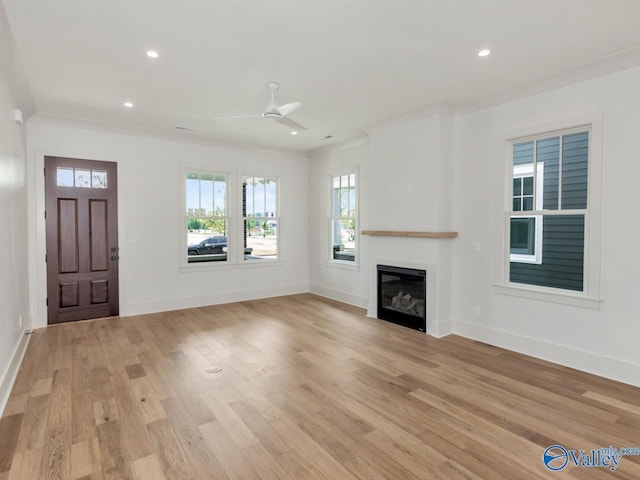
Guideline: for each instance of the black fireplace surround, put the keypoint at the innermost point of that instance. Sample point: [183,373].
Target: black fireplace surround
[402,296]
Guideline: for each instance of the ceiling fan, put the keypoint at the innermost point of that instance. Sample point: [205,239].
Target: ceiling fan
[274,112]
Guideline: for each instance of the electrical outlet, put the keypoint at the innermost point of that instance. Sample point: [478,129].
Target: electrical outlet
[476,310]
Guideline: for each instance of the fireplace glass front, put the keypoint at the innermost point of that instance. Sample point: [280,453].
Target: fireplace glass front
[402,296]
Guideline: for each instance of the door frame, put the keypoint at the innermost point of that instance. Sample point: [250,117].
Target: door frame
[106,302]
[37,224]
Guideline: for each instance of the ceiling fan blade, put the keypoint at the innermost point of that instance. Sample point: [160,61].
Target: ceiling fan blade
[287,108]
[290,123]
[237,116]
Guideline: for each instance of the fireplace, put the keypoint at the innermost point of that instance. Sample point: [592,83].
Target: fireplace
[402,297]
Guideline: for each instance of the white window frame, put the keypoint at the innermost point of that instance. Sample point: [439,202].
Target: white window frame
[590,296]
[332,218]
[243,218]
[184,262]
[524,171]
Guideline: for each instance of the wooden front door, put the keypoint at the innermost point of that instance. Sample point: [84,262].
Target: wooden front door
[82,239]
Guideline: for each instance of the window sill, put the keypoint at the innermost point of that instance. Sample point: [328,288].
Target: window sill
[205,267]
[217,266]
[264,262]
[553,296]
[342,265]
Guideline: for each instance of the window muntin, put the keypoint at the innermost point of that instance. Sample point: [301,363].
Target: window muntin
[526,230]
[343,218]
[81,177]
[555,209]
[206,217]
[260,218]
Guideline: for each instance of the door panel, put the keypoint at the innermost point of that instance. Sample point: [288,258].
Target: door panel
[68,235]
[82,239]
[99,291]
[99,235]
[69,294]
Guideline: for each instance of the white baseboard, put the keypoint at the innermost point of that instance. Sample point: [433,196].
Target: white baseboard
[340,296]
[11,371]
[435,329]
[612,368]
[166,305]
[439,329]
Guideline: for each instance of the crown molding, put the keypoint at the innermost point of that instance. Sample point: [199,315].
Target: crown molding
[607,65]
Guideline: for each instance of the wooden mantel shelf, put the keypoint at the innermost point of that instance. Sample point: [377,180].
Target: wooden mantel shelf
[398,233]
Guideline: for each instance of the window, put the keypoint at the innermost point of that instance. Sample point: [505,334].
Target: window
[343,217]
[206,217]
[81,177]
[260,218]
[526,230]
[546,223]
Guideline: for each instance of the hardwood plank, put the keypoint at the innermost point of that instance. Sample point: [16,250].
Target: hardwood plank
[148,400]
[83,424]
[201,458]
[105,411]
[34,427]
[306,450]
[227,452]
[27,465]
[239,432]
[148,468]
[35,364]
[57,446]
[622,405]
[114,461]
[264,463]
[17,403]
[135,437]
[135,371]
[267,436]
[169,450]
[310,389]
[9,430]
[42,387]
[85,458]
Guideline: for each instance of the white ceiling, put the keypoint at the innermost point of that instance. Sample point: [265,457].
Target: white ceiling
[352,63]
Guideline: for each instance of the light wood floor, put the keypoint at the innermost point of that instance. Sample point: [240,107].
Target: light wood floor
[310,389]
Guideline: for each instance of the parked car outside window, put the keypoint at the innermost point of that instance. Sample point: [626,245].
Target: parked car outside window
[208,246]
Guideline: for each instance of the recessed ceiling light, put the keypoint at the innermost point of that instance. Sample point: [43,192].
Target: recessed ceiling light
[294,133]
[152,54]
[484,52]
[128,104]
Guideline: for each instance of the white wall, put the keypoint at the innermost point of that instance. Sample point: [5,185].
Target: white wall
[443,172]
[345,283]
[150,217]
[13,239]
[405,171]
[603,341]
[407,186]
